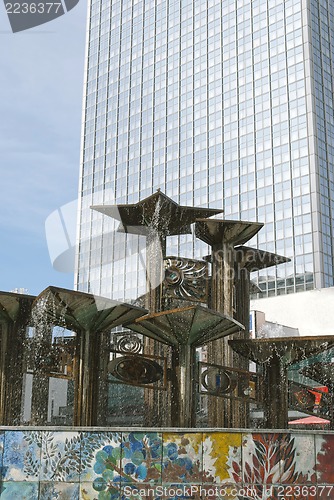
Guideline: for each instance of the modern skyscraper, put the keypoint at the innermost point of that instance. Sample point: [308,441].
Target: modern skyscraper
[220,103]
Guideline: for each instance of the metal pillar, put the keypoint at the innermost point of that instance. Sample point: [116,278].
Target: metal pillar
[85,412]
[183,386]
[275,394]
[241,413]
[220,410]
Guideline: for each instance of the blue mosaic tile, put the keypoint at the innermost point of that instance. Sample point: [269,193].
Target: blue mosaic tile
[60,456]
[182,458]
[141,457]
[100,456]
[21,456]
[25,490]
[59,491]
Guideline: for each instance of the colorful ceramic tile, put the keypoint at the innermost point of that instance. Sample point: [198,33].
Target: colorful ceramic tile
[324,450]
[21,456]
[58,491]
[280,458]
[222,457]
[260,458]
[25,490]
[141,457]
[100,490]
[60,456]
[182,458]
[297,459]
[101,456]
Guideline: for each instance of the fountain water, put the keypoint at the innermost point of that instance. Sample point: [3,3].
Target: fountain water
[186,308]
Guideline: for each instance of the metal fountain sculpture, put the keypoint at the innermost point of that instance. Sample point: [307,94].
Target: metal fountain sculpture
[189,304]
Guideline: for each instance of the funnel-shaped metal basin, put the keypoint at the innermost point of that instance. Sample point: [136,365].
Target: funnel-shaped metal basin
[11,305]
[193,326]
[83,311]
[254,259]
[215,231]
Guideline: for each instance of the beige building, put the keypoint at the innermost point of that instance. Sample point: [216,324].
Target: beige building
[312,312]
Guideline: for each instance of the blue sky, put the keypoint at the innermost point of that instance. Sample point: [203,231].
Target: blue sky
[41,83]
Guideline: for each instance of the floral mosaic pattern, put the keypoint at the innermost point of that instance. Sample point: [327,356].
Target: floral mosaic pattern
[182,458]
[141,457]
[60,455]
[270,459]
[76,465]
[222,457]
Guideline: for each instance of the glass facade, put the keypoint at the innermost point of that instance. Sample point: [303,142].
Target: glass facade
[220,103]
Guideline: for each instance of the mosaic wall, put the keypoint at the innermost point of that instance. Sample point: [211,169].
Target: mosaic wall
[162,465]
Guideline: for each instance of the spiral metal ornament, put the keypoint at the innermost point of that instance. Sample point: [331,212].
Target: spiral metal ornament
[128,343]
[186,279]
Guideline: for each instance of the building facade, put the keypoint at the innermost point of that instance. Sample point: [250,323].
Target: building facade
[220,103]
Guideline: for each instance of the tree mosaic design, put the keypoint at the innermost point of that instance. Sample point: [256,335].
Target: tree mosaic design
[271,461]
[144,460]
[78,452]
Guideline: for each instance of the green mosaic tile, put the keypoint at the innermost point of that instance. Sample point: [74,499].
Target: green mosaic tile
[22,490]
